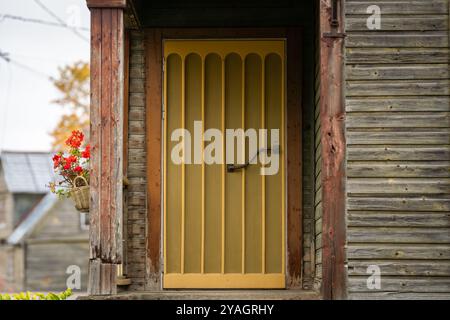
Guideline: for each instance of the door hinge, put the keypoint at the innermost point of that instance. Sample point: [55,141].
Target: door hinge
[334,21]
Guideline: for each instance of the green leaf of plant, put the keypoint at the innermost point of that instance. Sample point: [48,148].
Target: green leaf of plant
[52,296]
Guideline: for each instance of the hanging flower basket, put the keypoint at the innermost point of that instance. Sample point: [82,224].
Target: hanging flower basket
[80,194]
[72,168]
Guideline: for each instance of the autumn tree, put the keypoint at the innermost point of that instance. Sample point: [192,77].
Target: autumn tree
[73,86]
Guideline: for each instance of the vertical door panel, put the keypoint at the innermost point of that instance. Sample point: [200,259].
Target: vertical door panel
[234,201]
[174,172]
[213,183]
[273,188]
[253,195]
[193,216]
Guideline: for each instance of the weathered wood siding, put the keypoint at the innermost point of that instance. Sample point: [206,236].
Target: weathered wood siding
[317,165]
[56,243]
[136,224]
[61,222]
[11,268]
[6,207]
[398,149]
[308,147]
[46,264]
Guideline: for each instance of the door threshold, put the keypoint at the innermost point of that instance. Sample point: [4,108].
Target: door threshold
[211,295]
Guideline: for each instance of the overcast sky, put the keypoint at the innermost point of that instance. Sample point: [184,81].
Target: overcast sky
[26,112]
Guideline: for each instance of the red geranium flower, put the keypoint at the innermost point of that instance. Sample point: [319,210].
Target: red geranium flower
[67,166]
[56,160]
[71,159]
[75,139]
[87,152]
[78,169]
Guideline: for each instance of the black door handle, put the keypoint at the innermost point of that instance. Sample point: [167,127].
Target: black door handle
[236,167]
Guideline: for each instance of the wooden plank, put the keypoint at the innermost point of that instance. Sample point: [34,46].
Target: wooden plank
[398,120]
[294,160]
[126,92]
[396,56]
[108,274]
[402,104]
[107,148]
[332,110]
[106,3]
[399,22]
[401,7]
[399,204]
[398,235]
[398,153]
[399,169]
[94,277]
[318,257]
[137,72]
[399,251]
[137,127]
[137,114]
[137,99]
[319,196]
[154,140]
[392,137]
[105,138]
[137,58]
[137,86]
[397,219]
[137,156]
[395,295]
[117,101]
[397,72]
[136,170]
[391,39]
[95,130]
[398,88]
[403,186]
[401,268]
[396,284]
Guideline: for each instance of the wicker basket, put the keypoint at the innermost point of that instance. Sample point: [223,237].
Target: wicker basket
[80,195]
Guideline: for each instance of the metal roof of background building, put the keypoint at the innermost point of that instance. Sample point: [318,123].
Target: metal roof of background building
[33,218]
[27,172]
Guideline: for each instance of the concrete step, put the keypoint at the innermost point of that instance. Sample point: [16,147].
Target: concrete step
[211,295]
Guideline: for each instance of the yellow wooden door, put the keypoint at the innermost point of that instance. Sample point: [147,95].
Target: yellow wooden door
[223,229]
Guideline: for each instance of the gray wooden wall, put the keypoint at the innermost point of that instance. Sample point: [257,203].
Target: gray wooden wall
[398,153]
[6,207]
[56,243]
[46,264]
[136,223]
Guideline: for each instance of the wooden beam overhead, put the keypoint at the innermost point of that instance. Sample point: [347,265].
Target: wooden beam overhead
[106,3]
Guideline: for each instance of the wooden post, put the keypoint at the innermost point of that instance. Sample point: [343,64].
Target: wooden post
[332,118]
[106,138]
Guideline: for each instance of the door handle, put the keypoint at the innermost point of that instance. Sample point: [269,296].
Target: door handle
[236,167]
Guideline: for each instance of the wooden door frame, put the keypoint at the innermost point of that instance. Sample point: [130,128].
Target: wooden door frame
[154,57]
[332,130]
